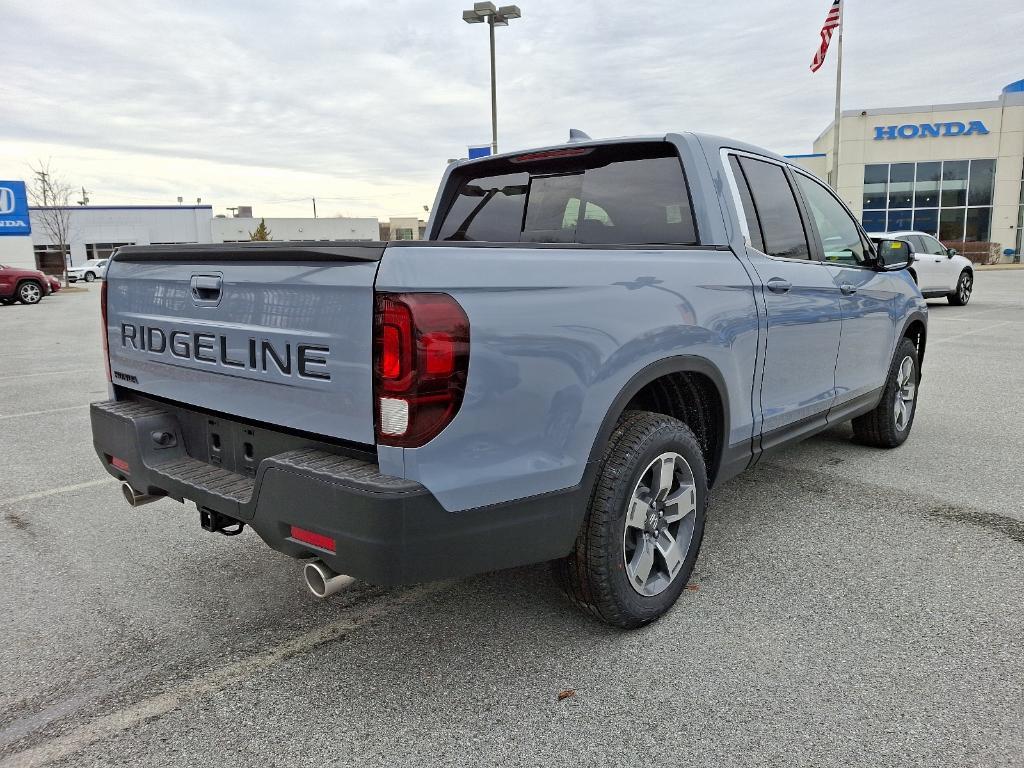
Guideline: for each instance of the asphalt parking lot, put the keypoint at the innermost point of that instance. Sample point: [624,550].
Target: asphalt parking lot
[850,606]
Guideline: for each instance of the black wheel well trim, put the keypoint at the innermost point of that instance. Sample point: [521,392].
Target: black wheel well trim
[647,375]
[921,319]
[24,280]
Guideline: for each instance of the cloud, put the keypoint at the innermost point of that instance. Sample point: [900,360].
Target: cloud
[361,103]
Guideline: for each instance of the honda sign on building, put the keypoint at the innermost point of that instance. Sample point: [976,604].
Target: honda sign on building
[14,209]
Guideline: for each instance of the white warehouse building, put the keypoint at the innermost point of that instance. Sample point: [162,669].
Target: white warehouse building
[94,231]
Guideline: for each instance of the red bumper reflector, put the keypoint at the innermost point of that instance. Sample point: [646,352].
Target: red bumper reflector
[120,464]
[315,539]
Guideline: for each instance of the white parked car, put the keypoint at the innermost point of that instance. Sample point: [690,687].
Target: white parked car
[938,270]
[89,271]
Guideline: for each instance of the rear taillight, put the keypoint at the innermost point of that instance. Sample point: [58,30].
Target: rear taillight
[103,315]
[420,364]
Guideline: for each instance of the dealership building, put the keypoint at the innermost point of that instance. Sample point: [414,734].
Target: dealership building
[952,170]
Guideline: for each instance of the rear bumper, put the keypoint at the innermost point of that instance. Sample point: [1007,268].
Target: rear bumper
[386,530]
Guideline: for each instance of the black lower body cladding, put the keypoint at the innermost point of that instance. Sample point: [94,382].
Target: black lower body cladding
[385,530]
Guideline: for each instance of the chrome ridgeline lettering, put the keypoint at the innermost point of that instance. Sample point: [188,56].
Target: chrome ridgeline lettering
[308,361]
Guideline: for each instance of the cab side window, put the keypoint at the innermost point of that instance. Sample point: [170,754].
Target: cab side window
[782,229]
[840,237]
[933,246]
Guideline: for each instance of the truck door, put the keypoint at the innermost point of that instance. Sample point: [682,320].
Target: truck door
[867,296]
[801,300]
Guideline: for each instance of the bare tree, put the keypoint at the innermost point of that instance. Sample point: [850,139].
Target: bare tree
[50,195]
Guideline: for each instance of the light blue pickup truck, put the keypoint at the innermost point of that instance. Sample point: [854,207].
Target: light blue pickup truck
[594,335]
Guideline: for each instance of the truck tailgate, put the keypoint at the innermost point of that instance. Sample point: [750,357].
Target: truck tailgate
[275,333]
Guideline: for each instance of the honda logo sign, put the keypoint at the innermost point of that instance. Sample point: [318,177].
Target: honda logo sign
[14,219]
[6,201]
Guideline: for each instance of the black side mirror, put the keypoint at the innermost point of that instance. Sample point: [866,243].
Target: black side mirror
[951,252]
[893,255]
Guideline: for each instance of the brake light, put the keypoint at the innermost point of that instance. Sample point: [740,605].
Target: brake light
[120,464]
[421,361]
[551,154]
[103,315]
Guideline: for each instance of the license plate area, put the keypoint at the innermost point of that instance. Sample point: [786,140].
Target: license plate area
[239,447]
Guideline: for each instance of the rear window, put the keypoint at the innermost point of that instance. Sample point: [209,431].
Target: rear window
[630,194]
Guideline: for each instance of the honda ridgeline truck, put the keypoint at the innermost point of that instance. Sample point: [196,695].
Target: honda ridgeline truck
[593,336]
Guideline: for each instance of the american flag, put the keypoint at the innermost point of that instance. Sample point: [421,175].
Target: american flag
[832,21]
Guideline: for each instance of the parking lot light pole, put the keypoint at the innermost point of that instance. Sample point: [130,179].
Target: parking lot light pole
[495,17]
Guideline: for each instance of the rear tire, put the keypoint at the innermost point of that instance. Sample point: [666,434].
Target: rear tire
[890,423]
[964,288]
[30,292]
[642,533]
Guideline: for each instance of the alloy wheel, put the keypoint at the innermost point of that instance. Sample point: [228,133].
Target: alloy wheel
[30,293]
[659,524]
[906,391]
[964,288]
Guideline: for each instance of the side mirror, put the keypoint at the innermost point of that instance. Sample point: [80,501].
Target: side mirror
[951,252]
[893,255]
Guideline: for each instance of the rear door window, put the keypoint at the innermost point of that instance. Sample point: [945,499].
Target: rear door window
[777,211]
[632,194]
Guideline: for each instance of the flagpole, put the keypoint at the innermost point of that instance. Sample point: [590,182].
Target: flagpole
[834,177]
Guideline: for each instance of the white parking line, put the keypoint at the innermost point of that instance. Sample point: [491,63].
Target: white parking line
[41,413]
[49,373]
[55,491]
[968,333]
[110,725]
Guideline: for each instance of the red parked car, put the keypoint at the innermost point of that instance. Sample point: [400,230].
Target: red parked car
[54,283]
[25,285]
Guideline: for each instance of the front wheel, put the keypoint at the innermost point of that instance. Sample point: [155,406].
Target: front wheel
[888,425]
[30,293]
[962,293]
[643,530]
[89,277]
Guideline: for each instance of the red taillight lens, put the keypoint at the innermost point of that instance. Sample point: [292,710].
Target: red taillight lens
[120,464]
[103,315]
[421,361]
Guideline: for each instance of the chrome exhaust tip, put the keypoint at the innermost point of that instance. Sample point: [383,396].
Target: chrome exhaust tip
[135,498]
[323,581]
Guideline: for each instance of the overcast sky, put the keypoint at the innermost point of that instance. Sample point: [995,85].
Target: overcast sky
[361,103]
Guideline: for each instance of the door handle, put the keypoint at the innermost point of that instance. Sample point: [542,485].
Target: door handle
[206,288]
[778,285]
[847,289]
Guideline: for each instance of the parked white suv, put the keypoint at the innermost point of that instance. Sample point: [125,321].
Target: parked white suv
[938,270]
[88,271]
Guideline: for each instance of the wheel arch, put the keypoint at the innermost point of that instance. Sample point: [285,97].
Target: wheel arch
[24,280]
[687,387]
[916,329]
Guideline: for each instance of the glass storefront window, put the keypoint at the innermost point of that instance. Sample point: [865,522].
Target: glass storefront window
[926,188]
[950,199]
[874,221]
[954,183]
[876,178]
[978,224]
[899,219]
[983,176]
[901,185]
[926,220]
[951,223]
